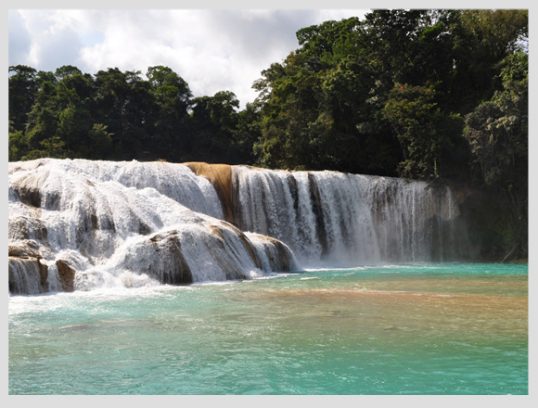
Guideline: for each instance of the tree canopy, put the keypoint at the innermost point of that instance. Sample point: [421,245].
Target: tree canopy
[426,94]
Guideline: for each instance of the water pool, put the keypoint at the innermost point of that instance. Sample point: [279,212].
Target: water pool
[395,329]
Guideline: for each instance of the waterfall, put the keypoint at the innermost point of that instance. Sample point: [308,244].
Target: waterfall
[81,224]
[87,224]
[342,219]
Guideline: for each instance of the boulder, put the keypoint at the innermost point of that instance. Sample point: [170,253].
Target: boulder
[27,276]
[24,249]
[66,275]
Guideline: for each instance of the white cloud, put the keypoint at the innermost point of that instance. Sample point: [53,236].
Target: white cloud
[211,49]
[19,39]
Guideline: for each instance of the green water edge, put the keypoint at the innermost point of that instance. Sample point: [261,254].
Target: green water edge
[406,329]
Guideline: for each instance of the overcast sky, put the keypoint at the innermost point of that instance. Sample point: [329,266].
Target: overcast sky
[211,49]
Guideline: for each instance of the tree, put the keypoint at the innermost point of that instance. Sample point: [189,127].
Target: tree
[51,147]
[172,97]
[42,118]
[140,110]
[17,145]
[214,120]
[100,142]
[424,131]
[497,131]
[320,108]
[109,99]
[74,92]
[23,88]
[480,41]
[246,133]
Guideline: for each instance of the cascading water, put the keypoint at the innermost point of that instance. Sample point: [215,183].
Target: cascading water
[343,219]
[78,224]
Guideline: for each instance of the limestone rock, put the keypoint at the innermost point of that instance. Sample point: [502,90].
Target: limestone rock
[27,276]
[24,249]
[66,275]
[220,175]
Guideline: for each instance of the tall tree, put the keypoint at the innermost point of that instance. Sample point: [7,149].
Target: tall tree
[214,120]
[74,92]
[43,117]
[427,135]
[173,99]
[23,88]
[497,131]
[110,98]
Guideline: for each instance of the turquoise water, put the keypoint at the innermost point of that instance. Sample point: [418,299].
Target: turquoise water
[428,329]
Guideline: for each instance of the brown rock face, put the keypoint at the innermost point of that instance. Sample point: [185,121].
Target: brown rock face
[43,276]
[280,257]
[24,249]
[29,191]
[220,175]
[27,276]
[177,270]
[29,194]
[67,275]
[252,253]
[23,228]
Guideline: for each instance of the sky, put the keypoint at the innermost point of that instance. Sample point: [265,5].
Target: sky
[212,50]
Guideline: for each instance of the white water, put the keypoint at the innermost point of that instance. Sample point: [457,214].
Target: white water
[126,224]
[132,224]
[343,219]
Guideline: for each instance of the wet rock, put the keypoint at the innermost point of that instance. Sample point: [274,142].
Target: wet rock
[143,228]
[66,275]
[220,175]
[24,249]
[27,276]
[28,192]
[317,209]
[22,228]
[250,249]
[43,276]
[170,266]
[280,255]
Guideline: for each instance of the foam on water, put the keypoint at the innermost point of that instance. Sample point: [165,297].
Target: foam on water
[138,224]
[127,224]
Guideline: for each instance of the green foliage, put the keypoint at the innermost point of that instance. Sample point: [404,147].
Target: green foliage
[17,145]
[22,92]
[313,103]
[497,131]
[172,98]
[389,94]
[246,133]
[426,134]
[383,95]
[214,120]
[414,115]
[99,142]
[53,147]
